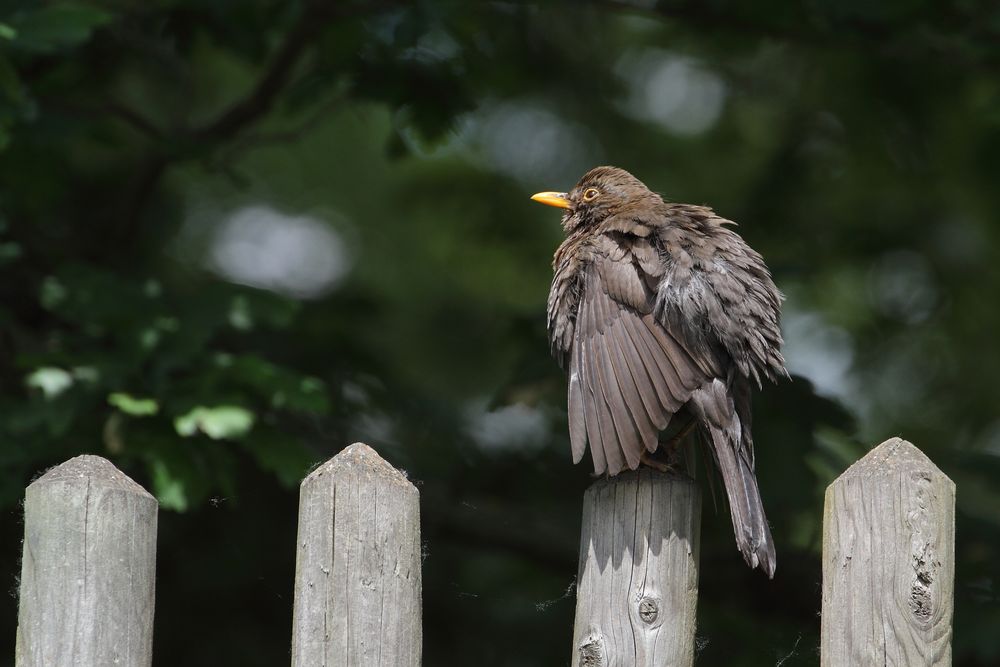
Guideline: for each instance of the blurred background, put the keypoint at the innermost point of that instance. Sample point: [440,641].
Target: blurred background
[238,235]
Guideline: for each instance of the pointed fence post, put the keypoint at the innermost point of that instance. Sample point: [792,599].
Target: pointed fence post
[888,561]
[357,570]
[637,589]
[88,568]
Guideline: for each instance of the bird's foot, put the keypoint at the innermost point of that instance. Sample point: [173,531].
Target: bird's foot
[647,459]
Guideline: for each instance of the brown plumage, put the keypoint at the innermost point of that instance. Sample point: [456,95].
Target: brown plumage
[657,309]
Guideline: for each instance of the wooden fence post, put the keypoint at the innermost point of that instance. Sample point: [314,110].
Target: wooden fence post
[888,561]
[637,588]
[88,568]
[357,570]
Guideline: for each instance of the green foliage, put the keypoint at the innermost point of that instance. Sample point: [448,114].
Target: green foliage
[224,421]
[54,27]
[50,381]
[235,237]
[130,405]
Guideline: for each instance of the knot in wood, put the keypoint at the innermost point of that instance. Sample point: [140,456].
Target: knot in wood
[648,610]
[592,652]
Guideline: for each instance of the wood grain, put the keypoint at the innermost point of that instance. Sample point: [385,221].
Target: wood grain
[88,568]
[638,580]
[357,577]
[888,561]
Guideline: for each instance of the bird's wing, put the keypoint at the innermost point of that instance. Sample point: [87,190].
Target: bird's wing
[628,373]
[719,284]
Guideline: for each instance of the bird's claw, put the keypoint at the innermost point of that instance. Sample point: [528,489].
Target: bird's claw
[646,459]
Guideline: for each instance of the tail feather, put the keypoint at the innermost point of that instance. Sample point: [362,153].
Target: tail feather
[735,463]
[753,535]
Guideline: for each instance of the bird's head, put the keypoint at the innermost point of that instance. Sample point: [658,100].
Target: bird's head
[601,193]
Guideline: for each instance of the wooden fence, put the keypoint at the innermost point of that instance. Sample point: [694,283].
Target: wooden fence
[87,582]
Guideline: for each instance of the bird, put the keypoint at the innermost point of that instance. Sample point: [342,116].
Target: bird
[663,316]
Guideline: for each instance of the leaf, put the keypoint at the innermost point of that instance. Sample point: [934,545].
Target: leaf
[224,421]
[130,405]
[6,32]
[9,252]
[168,488]
[50,380]
[52,292]
[282,387]
[88,374]
[57,27]
[239,314]
[285,456]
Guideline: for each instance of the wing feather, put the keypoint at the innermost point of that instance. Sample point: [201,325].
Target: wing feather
[641,375]
[629,439]
[633,383]
[652,363]
[588,397]
[576,410]
[605,423]
[614,432]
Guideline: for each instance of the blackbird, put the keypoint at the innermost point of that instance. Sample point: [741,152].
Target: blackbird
[660,313]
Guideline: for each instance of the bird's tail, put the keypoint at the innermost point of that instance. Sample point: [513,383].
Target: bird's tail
[732,449]
[753,535]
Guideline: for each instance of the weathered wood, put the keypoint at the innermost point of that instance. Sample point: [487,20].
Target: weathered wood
[357,575]
[888,561]
[88,568]
[637,589]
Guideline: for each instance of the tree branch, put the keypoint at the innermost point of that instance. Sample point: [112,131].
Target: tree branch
[257,102]
[112,108]
[274,80]
[252,140]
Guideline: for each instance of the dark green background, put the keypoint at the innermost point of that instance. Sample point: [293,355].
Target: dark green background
[366,168]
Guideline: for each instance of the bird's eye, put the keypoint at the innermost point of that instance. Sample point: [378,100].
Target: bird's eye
[590,194]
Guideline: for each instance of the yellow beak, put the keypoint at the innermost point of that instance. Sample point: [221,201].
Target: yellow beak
[557,199]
